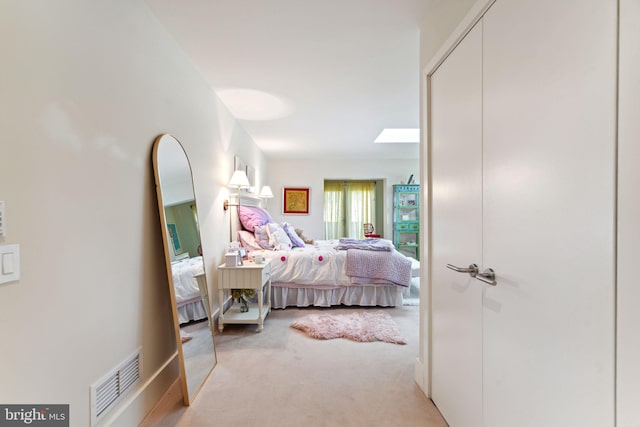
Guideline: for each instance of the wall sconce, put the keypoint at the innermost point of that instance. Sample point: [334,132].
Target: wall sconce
[238,179]
[266,193]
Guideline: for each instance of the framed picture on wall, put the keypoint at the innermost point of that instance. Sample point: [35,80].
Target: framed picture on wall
[295,200]
[173,236]
[238,164]
[250,171]
[251,174]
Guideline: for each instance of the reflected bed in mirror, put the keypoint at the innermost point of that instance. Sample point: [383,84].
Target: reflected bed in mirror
[185,268]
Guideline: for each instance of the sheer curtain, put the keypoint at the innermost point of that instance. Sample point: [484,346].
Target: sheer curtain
[347,206]
[360,207]
[333,209]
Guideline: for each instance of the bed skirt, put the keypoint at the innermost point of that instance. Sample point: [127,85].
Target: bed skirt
[365,295]
[189,311]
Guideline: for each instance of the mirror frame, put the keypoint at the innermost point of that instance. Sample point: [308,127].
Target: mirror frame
[187,397]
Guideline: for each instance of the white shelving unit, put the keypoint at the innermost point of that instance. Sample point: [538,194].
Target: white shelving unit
[247,276]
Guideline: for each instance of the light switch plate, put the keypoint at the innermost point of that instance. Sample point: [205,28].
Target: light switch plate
[9,263]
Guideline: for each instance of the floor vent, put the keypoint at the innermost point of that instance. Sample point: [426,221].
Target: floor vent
[110,389]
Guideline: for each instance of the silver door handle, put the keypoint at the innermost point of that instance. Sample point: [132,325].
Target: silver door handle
[488,276]
[472,269]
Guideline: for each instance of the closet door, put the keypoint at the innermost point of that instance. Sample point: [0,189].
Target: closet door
[549,73]
[628,354]
[456,174]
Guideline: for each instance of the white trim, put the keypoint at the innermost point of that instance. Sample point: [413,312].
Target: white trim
[419,375]
[475,14]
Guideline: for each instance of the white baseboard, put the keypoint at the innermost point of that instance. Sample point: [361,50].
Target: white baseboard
[132,411]
[419,376]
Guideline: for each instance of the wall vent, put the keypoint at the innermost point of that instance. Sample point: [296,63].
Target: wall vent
[112,387]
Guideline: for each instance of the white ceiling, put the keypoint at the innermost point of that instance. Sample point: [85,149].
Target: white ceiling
[307,79]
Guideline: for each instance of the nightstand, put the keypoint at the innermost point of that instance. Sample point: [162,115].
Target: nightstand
[204,293]
[247,276]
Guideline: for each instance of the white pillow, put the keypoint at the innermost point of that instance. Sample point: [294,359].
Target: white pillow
[248,241]
[262,236]
[278,237]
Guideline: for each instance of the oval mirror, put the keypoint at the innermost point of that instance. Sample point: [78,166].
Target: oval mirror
[185,266]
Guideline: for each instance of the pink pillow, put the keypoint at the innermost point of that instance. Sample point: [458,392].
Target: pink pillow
[293,236]
[251,216]
[248,241]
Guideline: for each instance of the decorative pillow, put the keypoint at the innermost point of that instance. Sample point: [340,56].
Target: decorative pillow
[278,237]
[251,216]
[248,241]
[262,237]
[291,232]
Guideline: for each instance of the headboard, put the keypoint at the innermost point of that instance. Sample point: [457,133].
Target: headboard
[251,199]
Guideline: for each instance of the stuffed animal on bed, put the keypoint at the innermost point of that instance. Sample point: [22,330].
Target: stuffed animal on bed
[305,239]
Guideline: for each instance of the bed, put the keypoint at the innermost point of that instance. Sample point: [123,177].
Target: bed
[316,275]
[328,272]
[187,290]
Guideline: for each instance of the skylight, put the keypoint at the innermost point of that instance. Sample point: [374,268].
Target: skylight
[398,136]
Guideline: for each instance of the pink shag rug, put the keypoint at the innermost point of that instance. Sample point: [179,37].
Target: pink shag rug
[358,326]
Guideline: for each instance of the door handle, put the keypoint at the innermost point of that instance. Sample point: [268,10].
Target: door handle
[472,269]
[488,276]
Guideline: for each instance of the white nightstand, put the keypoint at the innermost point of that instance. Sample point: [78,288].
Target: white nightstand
[247,276]
[204,293]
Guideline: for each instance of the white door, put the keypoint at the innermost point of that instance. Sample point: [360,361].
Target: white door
[549,72]
[456,150]
[542,345]
[628,340]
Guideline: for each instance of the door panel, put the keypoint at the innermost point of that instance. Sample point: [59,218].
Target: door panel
[456,357]
[549,162]
[628,355]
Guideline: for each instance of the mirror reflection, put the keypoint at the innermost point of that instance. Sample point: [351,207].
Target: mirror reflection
[185,266]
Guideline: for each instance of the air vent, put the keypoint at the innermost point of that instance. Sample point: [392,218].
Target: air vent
[110,389]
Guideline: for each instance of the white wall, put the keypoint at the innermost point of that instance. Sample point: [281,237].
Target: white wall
[86,87]
[312,173]
[442,18]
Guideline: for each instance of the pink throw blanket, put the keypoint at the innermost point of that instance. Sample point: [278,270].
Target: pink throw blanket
[377,265]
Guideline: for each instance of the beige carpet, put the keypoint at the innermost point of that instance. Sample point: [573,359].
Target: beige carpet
[282,378]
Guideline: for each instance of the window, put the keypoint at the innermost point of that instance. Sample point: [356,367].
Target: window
[347,206]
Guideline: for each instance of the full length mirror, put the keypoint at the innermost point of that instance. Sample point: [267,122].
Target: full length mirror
[185,266]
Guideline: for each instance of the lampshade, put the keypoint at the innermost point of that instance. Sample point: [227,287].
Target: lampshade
[266,192]
[239,179]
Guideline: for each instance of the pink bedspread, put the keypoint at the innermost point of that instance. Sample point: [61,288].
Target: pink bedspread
[371,266]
